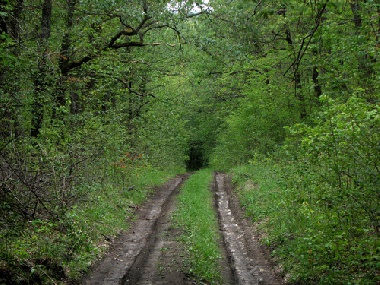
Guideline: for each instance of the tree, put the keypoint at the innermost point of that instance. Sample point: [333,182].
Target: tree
[42,79]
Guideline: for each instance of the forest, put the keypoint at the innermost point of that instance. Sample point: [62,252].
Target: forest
[102,99]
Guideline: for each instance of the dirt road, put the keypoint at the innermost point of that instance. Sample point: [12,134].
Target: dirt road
[151,253]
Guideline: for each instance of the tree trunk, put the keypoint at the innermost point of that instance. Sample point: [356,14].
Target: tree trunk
[355,8]
[298,94]
[14,29]
[296,78]
[3,23]
[130,105]
[366,60]
[10,25]
[64,59]
[41,81]
[317,86]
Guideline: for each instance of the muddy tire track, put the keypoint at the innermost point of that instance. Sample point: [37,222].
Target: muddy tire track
[248,260]
[161,261]
[132,247]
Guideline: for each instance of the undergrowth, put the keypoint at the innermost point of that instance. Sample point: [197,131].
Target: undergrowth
[196,216]
[46,251]
[316,240]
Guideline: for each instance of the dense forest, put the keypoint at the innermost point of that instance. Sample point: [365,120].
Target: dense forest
[100,99]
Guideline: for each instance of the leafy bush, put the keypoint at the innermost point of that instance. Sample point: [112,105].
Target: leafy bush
[338,158]
[318,206]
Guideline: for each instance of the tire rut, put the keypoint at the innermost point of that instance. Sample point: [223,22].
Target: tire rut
[248,262]
[131,248]
[160,262]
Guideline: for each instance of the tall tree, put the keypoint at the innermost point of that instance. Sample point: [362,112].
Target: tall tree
[41,78]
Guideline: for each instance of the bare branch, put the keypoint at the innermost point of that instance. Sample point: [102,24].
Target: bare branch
[133,91]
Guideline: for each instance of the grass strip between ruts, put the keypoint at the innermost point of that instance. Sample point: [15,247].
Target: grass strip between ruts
[196,216]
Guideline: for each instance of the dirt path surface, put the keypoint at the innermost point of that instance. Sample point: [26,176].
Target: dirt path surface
[161,261]
[249,261]
[151,252]
[130,248]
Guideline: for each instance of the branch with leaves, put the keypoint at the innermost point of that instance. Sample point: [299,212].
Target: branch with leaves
[306,41]
[121,39]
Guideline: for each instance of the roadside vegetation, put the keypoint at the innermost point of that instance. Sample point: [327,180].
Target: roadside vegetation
[196,217]
[313,240]
[61,250]
[303,143]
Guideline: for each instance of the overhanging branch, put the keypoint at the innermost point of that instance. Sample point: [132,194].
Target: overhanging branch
[306,42]
[114,44]
[129,31]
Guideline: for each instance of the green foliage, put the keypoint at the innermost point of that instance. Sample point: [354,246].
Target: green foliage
[6,58]
[162,134]
[75,158]
[340,151]
[320,212]
[257,124]
[196,217]
[318,207]
[78,186]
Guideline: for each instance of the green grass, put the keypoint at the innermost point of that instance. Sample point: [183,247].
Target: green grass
[196,216]
[307,237]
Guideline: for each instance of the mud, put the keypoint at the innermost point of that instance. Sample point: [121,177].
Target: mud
[250,262]
[152,253]
[161,261]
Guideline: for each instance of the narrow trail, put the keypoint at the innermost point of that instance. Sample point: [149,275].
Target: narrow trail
[151,253]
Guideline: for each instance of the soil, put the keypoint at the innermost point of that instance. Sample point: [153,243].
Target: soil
[152,253]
